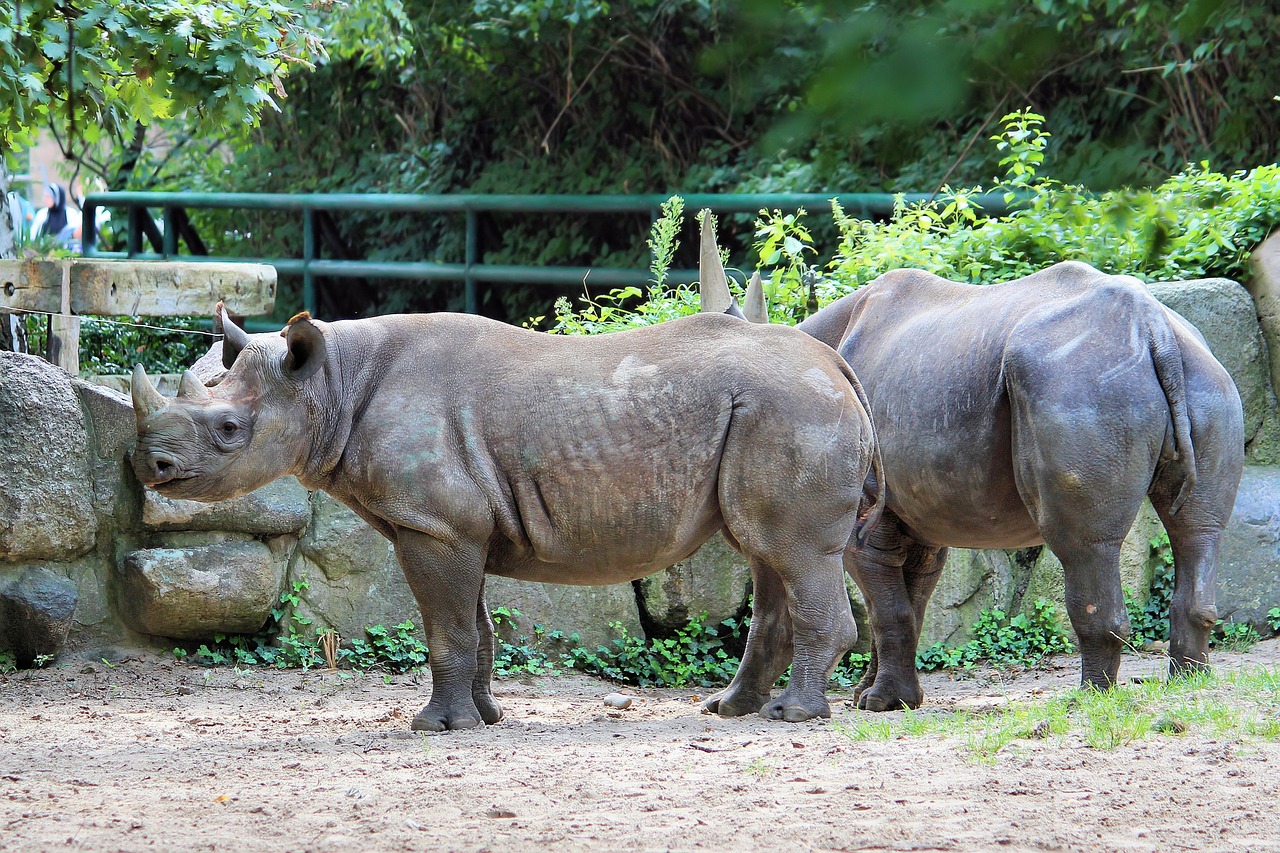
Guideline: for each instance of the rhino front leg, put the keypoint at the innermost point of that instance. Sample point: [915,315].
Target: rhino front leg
[447,579]
[768,652]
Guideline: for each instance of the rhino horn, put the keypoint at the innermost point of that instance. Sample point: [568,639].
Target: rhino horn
[753,305]
[713,284]
[191,387]
[147,401]
[234,338]
[734,311]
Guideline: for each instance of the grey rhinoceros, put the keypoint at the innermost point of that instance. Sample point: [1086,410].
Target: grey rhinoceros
[477,447]
[1040,410]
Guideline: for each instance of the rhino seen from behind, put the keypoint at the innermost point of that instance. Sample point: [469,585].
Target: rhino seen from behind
[477,447]
[1037,411]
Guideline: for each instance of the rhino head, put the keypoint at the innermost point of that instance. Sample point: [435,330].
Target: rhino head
[213,443]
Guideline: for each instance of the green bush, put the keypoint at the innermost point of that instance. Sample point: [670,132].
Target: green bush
[1024,640]
[1197,224]
[1149,620]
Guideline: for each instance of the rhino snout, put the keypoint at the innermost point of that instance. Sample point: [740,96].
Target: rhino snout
[154,467]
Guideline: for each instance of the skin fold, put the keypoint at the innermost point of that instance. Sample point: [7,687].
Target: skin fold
[479,448]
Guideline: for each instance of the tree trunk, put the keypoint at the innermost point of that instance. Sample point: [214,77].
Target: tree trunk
[13,333]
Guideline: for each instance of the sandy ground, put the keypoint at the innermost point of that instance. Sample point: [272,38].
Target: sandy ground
[149,754]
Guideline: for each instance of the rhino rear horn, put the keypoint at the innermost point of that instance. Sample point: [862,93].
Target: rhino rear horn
[234,338]
[753,305]
[147,401]
[191,387]
[713,284]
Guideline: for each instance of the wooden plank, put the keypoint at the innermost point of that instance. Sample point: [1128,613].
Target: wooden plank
[120,287]
[64,330]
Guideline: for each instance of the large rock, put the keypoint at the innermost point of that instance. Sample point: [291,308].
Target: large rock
[195,592]
[36,611]
[1224,313]
[1249,567]
[714,581]
[971,582]
[280,507]
[46,506]
[587,611]
[352,578]
[340,543]
[1264,286]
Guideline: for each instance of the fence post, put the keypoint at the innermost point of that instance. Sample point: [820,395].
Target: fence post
[308,255]
[473,250]
[64,330]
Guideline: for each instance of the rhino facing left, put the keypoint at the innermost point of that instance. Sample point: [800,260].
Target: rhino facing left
[478,447]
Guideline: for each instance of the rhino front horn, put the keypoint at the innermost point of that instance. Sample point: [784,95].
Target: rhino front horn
[713,283]
[147,401]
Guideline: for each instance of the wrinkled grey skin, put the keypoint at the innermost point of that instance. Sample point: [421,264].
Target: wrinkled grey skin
[477,447]
[1041,410]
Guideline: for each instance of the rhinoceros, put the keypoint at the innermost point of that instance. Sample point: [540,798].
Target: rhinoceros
[1041,410]
[477,447]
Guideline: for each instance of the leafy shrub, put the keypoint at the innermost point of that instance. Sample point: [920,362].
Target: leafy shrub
[1196,224]
[397,649]
[1273,619]
[694,657]
[1149,621]
[1235,636]
[1024,640]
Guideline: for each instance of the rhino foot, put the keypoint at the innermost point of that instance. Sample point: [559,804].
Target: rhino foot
[431,719]
[880,697]
[490,710]
[734,702]
[795,710]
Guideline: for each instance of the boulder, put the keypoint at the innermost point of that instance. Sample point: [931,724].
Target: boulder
[715,580]
[195,592]
[352,602]
[1223,312]
[36,612]
[280,507]
[584,610]
[1264,286]
[971,582]
[1249,565]
[46,506]
[340,543]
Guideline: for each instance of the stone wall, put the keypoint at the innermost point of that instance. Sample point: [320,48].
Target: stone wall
[87,558]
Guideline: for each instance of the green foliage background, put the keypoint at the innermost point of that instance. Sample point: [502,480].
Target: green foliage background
[582,96]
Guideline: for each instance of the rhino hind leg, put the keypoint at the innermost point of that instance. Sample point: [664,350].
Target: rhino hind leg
[768,652]
[481,685]
[897,576]
[822,630]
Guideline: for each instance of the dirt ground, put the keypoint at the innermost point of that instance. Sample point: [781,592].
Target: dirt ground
[149,754]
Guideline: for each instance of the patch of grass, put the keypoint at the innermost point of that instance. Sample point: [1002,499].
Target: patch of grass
[1230,706]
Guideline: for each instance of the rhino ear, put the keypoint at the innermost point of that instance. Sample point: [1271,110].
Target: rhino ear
[234,338]
[306,349]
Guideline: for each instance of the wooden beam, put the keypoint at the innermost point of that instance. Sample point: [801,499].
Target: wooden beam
[121,287]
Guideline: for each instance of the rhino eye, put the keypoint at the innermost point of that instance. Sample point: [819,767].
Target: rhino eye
[229,428]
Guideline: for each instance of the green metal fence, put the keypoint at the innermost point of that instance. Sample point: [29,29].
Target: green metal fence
[316,210]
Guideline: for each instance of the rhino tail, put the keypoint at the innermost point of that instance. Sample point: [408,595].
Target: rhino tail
[874,489]
[1166,357]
